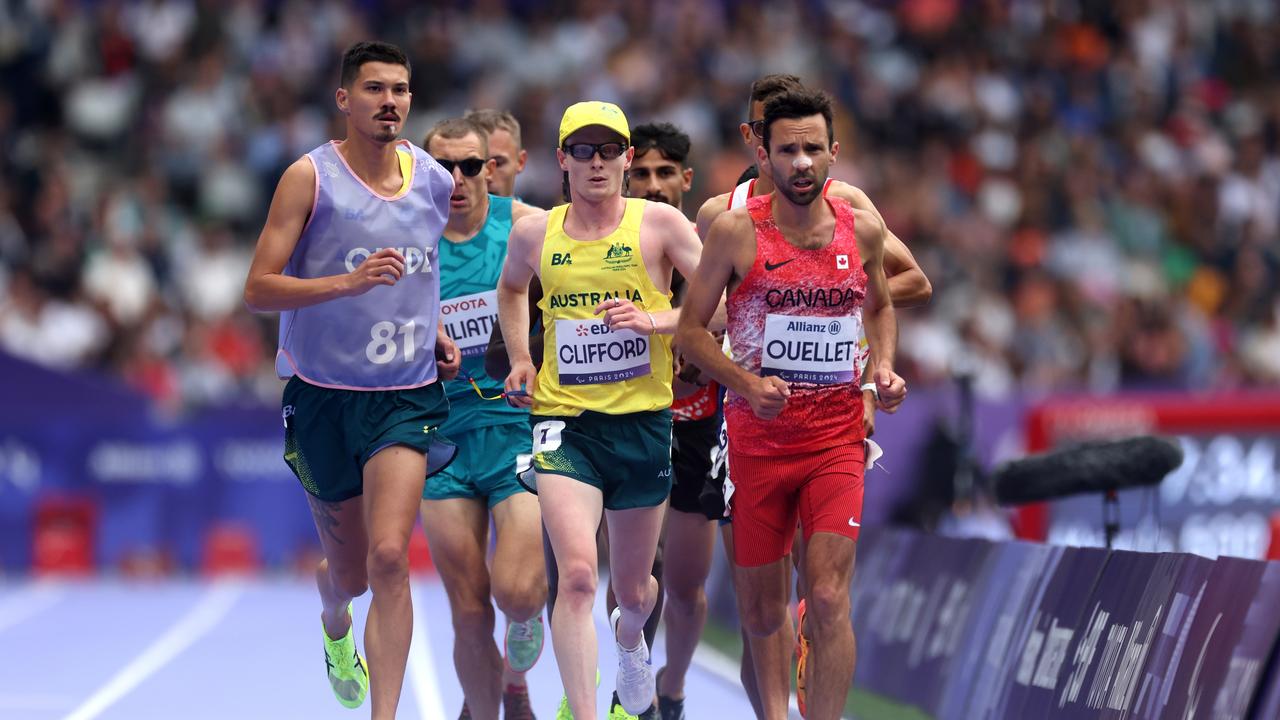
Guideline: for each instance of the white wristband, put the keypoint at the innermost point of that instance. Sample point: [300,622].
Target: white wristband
[653,324]
[872,387]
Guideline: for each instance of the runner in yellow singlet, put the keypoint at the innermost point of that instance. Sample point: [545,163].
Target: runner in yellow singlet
[601,419]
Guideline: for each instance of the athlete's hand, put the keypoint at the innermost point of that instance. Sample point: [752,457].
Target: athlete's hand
[622,314]
[520,384]
[868,413]
[686,377]
[892,388]
[448,359]
[768,396]
[384,267]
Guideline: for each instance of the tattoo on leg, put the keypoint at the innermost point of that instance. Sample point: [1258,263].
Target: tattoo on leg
[326,517]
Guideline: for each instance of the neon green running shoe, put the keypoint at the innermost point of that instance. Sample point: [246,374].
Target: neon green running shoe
[524,644]
[563,712]
[347,673]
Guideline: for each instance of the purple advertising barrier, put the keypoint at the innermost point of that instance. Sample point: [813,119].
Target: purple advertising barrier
[882,609]
[1243,681]
[929,577]
[1042,659]
[47,420]
[1110,644]
[252,486]
[912,598]
[952,605]
[1013,629]
[1154,689]
[1146,633]
[1215,629]
[1000,591]
[1266,705]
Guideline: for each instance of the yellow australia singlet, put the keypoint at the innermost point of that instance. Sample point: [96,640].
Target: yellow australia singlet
[586,365]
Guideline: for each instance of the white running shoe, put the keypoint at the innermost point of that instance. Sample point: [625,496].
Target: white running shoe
[635,682]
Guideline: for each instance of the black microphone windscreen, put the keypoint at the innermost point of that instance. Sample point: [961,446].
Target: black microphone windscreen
[1096,466]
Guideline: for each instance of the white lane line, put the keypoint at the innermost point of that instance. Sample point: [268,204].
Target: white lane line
[28,602]
[202,618]
[422,668]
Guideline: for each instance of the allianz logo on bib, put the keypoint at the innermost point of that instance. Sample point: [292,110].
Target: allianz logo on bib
[415,259]
[832,327]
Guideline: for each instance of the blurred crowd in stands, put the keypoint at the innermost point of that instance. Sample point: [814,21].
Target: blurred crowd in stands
[1092,186]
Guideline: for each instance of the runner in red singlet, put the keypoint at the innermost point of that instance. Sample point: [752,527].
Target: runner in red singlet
[803,277]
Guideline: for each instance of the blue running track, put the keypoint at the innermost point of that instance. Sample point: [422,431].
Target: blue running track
[247,649]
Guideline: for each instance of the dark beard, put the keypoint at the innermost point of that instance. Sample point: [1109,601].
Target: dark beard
[658,197]
[804,198]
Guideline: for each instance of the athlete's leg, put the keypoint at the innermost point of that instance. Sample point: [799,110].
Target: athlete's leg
[747,669]
[693,537]
[342,574]
[762,603]
[633,544]
[393,480]
[571,511]
[457,532]
[611,601]
[519,578]
[829,563]
[830,510]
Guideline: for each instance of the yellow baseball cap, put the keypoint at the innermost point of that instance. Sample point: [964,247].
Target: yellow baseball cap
[593,112]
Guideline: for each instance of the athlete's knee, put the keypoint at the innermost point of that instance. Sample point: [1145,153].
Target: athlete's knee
[578,581]
[388,561]
[635,596]
[521,598]
[350,580]
[827,601]
[761,618]
[472,617]
[683,597]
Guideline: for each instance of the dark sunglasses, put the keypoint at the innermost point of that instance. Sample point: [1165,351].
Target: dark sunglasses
[585,151]
[470,167]
[757,128]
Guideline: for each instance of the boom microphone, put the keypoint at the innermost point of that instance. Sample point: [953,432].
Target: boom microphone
[1096,466]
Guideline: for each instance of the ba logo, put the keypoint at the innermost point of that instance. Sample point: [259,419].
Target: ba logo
[288,411]
[560,259]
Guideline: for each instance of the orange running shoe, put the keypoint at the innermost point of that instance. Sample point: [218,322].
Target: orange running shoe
[802,657]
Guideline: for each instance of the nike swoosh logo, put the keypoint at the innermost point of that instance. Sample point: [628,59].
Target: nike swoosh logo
[853,523]
[774,266]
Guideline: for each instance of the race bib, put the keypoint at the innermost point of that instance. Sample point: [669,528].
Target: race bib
[469,320]
[819,350]
[591,353]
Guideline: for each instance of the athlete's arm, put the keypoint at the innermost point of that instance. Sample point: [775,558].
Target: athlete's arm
[496,363]
[908,285]
[878,317]
[523,246]
[726,255]
[448,359]
[268,289]
[520,210]
[710,210]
